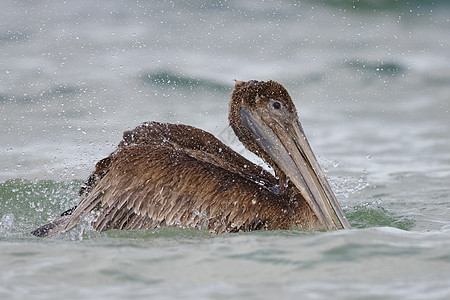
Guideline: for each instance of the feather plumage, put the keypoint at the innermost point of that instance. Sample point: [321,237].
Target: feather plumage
[177,175]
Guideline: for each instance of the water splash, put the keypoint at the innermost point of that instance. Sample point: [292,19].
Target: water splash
[26,204]
[346,186]
[6,224]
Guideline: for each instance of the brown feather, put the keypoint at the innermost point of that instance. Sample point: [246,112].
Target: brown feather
[178,175]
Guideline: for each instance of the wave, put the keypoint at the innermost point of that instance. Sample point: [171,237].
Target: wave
[369,215]
[171,79]
[386,68]
[57,91]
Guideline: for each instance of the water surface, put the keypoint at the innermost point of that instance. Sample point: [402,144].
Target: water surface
[371,82]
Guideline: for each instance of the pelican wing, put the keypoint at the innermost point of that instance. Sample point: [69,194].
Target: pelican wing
[177,175]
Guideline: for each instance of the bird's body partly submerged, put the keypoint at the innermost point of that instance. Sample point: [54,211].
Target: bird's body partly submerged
[178,175]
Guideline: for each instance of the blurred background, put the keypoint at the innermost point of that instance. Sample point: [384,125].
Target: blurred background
[371,82]
[369,78]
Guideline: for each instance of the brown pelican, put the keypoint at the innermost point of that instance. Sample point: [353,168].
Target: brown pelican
[178,175]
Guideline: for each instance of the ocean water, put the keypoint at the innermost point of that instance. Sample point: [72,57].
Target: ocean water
[371,82]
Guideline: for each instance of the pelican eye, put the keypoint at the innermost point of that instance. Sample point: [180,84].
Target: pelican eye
[276,105]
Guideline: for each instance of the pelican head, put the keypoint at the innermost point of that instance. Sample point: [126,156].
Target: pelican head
[265,120]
